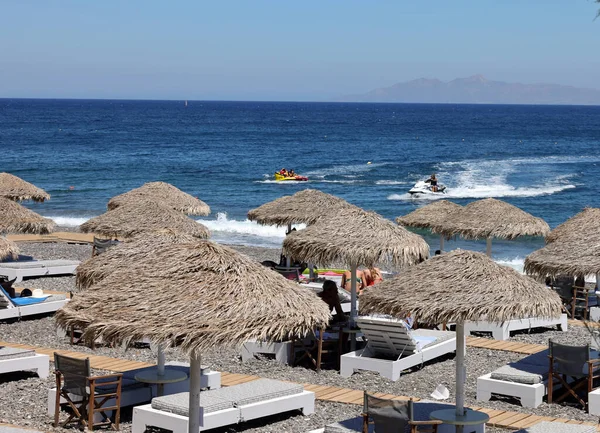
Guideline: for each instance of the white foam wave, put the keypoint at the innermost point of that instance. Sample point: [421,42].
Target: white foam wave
[392,182]
[516,263]
[286,182]
[245,232]
[68,221]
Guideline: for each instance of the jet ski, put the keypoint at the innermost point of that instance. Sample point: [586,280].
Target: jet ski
[422,187]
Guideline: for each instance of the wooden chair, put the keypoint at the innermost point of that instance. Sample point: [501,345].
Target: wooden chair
[85,395]
[580,301]
[572,368]
[317,351]
[397,414]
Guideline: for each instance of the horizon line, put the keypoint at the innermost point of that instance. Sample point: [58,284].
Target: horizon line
[292,101]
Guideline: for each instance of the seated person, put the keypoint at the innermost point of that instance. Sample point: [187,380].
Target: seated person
[330,296]
[291,173]
[433,182]
[409,320]
[360,281]
[372,276]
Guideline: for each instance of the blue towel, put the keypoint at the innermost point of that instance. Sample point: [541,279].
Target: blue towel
[19,302]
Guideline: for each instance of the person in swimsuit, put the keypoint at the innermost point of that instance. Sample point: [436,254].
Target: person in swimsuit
[372,276]
[433,182]
[360,281]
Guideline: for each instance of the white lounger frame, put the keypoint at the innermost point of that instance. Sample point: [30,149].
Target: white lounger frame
[38,271]
[133,396]
[147,416]
[14,312]
[38,362]
[393,337]
[501,330]
[530,395]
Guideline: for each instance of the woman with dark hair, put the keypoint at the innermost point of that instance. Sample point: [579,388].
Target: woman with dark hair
[330,296]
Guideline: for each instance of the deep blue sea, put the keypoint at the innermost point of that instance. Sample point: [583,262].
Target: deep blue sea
[544,159]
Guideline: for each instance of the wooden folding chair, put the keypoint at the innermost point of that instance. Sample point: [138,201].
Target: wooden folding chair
[85,395]
[572,368]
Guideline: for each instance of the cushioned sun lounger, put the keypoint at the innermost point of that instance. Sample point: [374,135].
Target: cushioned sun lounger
[525,379]
[392,347]
[501,330]
[15,359]
[558,427]
[224,406]
[14,308]
[134,392]
[37,268]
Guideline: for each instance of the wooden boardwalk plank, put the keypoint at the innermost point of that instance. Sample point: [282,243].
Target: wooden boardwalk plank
[507,419]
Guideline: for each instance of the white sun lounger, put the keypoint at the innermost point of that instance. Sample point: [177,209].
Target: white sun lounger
[392,348]
[501,330]
[525,379]
[134,392]
[9,308]
[558,427]
[14,359]
[37,268]
[224,406]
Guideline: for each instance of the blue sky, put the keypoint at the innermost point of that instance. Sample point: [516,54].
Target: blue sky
[287,50]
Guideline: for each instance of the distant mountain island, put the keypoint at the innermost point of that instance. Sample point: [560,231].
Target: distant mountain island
[478,90]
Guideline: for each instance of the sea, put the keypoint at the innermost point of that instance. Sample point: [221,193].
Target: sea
[543,159]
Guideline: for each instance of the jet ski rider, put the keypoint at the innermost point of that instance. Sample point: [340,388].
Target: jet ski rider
[433,182]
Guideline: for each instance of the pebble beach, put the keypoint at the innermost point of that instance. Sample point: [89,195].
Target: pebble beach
[23,396]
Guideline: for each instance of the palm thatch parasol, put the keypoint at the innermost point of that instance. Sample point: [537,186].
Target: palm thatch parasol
[433,214]
[126,254]
[566,257]
[195,296]
[461,286]
[491,218]
[579,227]
[134,219]
[356,237]
[15,188]
[8,249]
[15,218]
[306,206]
[165,194]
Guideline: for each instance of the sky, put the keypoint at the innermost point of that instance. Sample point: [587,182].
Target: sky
[287,50]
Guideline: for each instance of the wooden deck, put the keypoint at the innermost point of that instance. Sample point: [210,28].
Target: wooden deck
[498,418]
[573,322]
[506,345]
[68,237]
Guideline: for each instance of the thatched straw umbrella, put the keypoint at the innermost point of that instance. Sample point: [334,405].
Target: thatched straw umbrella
[491,218]
[426,217]
[15,188]
[566,257]
[165,194]
[579,227]
[356,237]
[195,296]
[461,286]
[123,256]
[15,218]
[8,249]
[134,219]
[306,206]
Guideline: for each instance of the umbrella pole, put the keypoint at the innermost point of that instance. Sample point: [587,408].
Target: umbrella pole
[441,244]
[353,299]
[160,353]
[195,412]
[461,369]
[488,247]
[288,259]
